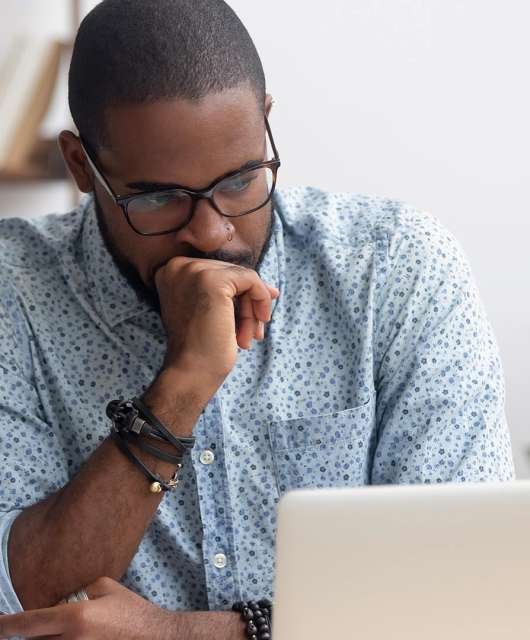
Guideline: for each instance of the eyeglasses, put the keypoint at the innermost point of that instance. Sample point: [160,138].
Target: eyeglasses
[236,194]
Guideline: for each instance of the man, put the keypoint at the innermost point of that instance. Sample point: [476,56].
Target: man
[304,339]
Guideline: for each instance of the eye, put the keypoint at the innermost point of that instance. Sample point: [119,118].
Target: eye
[154,202]
[163,198]
[236,184]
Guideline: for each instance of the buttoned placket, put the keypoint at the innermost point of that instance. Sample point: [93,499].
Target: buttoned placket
[214,501]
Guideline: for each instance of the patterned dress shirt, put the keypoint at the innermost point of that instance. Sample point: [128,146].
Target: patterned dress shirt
[379,366]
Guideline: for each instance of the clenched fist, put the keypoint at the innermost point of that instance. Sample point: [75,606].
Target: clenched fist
[197,300]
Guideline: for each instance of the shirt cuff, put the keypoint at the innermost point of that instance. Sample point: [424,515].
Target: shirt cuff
[9,602]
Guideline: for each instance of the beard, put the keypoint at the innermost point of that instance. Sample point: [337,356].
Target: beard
[148,293]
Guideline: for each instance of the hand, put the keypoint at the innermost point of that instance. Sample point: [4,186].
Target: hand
[112,612]
[197,307]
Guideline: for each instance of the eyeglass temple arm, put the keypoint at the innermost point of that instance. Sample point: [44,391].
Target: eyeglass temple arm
[98,173]
[273,144]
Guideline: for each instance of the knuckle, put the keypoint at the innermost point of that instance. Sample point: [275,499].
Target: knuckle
[204,278]
[240,269]
[185,266]
[173,267]
[100,587]
[80,617]
[104,583]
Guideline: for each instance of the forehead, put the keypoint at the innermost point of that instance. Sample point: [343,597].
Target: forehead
[183,141]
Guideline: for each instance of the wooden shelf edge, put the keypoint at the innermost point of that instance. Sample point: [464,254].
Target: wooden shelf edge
[44,164]
[15,179]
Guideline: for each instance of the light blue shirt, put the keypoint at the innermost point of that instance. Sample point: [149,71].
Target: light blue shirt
[379,366]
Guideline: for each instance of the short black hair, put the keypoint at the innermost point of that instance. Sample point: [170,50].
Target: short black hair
[142,51]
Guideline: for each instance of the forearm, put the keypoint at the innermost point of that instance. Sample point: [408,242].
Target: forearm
[93,526]
[112,611]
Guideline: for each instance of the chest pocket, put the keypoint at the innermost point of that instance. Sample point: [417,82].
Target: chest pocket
[333,450]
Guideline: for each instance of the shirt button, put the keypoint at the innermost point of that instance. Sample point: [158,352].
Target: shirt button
[219,560]
[207,456]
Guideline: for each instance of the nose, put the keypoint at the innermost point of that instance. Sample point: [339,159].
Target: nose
[207,230]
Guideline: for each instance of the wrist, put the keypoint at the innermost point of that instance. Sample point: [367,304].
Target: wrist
[178,382]
[205,625]
[177,399]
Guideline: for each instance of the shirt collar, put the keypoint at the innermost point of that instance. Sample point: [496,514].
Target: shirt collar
[114,297]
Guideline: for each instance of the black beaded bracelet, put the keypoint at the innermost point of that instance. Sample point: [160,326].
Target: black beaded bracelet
[257,617]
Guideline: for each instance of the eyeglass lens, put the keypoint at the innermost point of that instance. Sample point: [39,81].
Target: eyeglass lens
[234,196]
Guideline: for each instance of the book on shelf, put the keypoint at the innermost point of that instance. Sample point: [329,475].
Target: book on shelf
[29,71]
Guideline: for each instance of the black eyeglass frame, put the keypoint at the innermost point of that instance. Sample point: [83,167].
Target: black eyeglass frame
[195,194]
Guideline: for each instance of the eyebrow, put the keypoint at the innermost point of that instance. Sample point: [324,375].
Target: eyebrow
[145,185]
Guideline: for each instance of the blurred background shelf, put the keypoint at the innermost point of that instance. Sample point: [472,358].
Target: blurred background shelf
[44,163]
[34,104]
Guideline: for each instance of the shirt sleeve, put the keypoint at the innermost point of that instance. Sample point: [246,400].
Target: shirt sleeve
[437,369]
[9,602]
[32,463]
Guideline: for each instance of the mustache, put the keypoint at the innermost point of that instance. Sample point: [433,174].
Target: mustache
[242,258]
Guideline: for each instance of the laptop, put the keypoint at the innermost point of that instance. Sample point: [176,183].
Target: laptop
[430,562]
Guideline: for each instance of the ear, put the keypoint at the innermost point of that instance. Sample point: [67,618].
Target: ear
[269,101]
[75,160]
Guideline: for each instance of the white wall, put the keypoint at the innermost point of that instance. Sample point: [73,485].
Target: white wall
[423,100]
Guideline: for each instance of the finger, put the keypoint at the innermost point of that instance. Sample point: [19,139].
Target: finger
[247,323]
[204,264]
[247,332]
[259,309]
[244,281]
[30,624]
[260,332]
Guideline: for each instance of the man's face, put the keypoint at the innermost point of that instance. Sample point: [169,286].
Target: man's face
[184,143]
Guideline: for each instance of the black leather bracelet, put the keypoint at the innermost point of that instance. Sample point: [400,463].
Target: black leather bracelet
[126,419]
[179,443]
[154,451]
[157,483]
[134,417]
